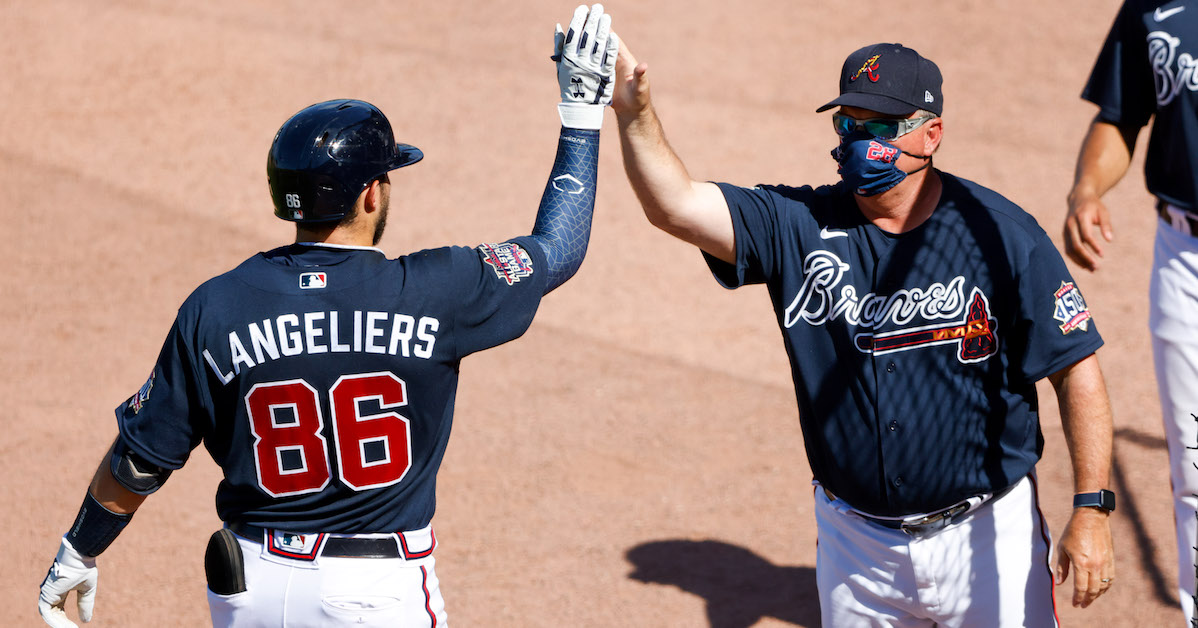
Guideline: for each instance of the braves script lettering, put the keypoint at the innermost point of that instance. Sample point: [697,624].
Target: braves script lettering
[1170,77]
[818,300]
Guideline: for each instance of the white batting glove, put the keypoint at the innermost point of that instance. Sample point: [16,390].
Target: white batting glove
[586,67]
[70,572]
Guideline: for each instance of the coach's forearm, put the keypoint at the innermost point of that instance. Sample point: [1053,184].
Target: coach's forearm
[659,178]
[1086,419]
[1103,159]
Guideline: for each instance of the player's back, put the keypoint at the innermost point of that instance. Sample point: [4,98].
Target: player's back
[322,380]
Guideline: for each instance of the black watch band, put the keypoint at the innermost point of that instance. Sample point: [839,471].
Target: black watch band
[1103,500]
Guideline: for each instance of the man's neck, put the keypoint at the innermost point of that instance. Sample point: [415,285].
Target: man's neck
[335,235]
[906,205]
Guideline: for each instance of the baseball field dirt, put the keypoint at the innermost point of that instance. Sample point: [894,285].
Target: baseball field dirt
[636,458]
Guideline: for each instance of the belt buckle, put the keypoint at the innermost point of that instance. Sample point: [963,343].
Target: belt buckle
[934,521]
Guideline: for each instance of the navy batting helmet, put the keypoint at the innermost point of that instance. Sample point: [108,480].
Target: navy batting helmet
[325,155]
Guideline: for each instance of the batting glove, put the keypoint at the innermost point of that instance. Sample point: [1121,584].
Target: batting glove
[70,572]
[586,67]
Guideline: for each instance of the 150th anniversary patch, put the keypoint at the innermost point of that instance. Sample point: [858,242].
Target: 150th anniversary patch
[511,263]
[1070,308]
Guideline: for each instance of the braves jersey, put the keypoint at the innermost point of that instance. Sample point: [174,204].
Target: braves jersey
[1147,67]
[914,356]
[322,379]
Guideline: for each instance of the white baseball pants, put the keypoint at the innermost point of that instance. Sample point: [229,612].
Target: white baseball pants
[989,569]
[1173,320]
[331,591]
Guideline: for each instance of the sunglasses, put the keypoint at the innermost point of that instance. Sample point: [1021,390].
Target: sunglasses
[881,128]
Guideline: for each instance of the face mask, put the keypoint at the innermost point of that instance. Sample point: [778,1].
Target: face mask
[869,165]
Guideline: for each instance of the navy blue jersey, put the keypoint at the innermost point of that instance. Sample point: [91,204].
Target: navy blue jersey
[322,379]
[1148,67]
[914,356]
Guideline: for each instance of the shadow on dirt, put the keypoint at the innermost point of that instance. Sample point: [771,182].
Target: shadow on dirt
[740,587]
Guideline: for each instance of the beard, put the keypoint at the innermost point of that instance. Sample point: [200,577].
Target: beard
[382,222]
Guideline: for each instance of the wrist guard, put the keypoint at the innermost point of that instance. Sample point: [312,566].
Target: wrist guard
[95,527]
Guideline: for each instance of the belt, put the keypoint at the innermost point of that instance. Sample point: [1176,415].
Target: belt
[1180,219]
[307,546]
[934,521]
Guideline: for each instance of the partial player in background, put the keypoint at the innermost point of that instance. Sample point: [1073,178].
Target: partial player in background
[1146,71]
[321,375]
[918,310]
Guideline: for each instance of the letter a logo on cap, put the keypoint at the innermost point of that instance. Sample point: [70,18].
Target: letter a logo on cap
[870,67]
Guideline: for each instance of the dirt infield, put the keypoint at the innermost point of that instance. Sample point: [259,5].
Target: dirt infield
[635,459]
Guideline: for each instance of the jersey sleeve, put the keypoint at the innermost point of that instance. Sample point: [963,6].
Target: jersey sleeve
[755,225]
[1056,328]
[169,415]
[499,288]
[1121,83]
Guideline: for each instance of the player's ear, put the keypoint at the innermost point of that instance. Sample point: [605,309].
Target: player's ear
[372,196]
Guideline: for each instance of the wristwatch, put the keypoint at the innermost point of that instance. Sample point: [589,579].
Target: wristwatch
[1103,500]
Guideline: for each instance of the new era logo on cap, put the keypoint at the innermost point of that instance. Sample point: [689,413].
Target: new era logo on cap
[900,83]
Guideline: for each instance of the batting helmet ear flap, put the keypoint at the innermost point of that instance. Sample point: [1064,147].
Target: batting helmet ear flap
[325,155]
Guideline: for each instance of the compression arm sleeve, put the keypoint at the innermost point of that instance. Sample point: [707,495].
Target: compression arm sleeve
[563,225]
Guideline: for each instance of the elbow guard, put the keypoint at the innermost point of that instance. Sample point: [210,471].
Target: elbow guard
[134,472]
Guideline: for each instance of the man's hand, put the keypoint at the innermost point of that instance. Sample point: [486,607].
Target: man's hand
[1086,546]
[631,94]
[1086,211]
[70,572]
[586,57]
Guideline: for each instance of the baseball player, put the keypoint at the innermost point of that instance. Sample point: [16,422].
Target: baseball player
[321,375]
[918,310]
[1146,69]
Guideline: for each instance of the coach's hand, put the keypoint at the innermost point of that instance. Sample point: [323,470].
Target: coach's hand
[1088,218]
[70,572]
[586,66]
[1086,546]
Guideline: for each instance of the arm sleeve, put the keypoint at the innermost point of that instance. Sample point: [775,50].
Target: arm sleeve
[563,225]
[1055,323]
[1121,83]
[755,226]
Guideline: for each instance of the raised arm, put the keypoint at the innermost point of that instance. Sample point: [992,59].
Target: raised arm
[1102,161]
[694,211]
[1086,544]
[586,59]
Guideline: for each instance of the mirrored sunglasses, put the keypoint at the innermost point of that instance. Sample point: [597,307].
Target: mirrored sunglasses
[881,128]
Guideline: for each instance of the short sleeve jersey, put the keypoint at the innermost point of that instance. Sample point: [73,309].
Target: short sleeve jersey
[1148,67]
[914,356]
[322,379]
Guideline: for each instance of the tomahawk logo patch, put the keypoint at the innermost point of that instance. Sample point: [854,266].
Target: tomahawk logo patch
[974,336]
[511,263]
[1070,308]
[142,396]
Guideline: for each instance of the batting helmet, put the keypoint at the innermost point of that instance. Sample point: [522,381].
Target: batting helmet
[325,155]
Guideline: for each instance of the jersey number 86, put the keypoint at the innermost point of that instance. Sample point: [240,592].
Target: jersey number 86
[290,451]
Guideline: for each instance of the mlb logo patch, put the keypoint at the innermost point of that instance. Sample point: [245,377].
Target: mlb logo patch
[511,263]
[1070,308]
[309,281]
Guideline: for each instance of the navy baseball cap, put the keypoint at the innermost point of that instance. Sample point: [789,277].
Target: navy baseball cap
[890,79]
